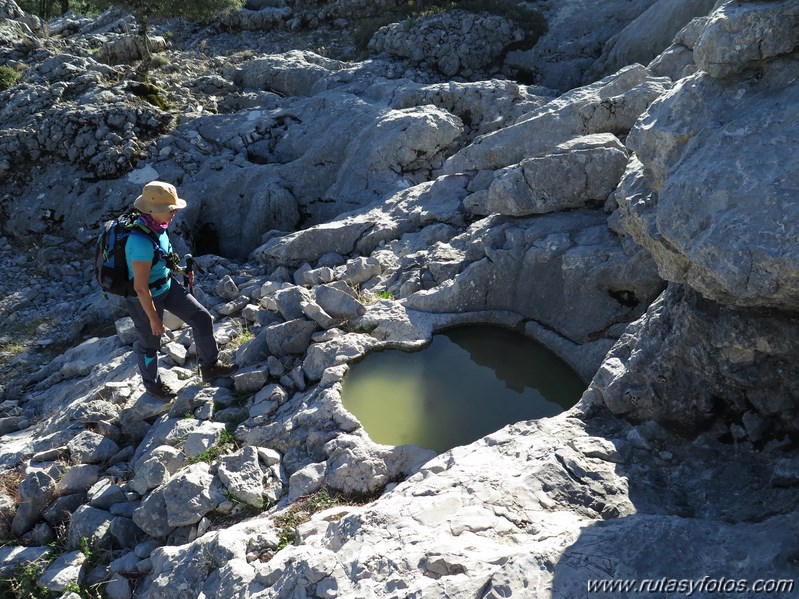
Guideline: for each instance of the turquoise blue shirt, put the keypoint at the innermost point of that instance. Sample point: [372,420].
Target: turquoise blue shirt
[140,247]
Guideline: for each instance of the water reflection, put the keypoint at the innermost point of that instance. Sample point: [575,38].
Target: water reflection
[467,383]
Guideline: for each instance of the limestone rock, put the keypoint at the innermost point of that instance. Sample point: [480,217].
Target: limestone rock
[358,467]
[126,50]
[289,301]
[293,73]
[337,351]
[264,19]
[338,303]
[78,479]
[13,556]
[188,496]
[241,474]
[730,347]
[151,515]
[177,352]
[103,494]
[35,492]
[482,106]
[91,448]
[737,167]
[454,42]
[250,381]
[292,337]
[741,35]
[556,267]
[577,32]
[154,471]
[126,330]
[66,569]
[91,523]
[203,437]
[574,175]
[306,481]
[313,311]
[648,35]
[611,105]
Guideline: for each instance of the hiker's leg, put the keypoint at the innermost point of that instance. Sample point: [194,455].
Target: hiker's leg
[193,313]
[147,344]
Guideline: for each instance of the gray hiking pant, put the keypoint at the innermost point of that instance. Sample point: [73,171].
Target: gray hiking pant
[183,305]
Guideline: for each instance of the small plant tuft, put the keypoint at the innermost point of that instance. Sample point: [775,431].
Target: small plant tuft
[9,77]
[225,444]
[149,93]
[300,512]
[24,585]
[244,336]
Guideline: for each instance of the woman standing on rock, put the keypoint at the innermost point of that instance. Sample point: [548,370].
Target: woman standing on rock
[156,291]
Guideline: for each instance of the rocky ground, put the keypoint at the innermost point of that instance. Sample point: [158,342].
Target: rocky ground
[641,225]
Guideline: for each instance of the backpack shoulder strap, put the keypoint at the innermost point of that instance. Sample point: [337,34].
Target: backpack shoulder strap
[137,227]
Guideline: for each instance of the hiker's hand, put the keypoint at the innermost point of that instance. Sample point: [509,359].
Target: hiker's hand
[191,278]
[157,327]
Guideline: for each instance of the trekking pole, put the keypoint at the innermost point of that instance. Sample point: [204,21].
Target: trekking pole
[191,265]
[188,279]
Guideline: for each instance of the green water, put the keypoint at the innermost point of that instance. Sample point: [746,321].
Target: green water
[467,383]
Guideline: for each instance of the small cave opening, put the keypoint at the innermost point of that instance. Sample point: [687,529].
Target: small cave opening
[206,240]
[624,297]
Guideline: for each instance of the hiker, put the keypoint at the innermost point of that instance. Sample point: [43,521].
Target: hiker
[156,289]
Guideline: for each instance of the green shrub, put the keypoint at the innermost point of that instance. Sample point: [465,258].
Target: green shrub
[9,77]
[150,93]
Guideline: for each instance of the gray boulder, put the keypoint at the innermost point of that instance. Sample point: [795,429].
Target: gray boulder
[648,35]
[337,303]
[241,474]
[65,570]
[357,466]
[741,35]
[653,372]
[292,337]
[188,496]
[611,105]
[151,515]
[91,448]
[289,301]
[292,74]
[577,32]
[336,351]
[567,271]
[36,491]
[154,471]
[576,174]
[92,524]
[267,18]
[78,479]
[203,437]
[736,245]
[454,42]
[306,481]
[127,49]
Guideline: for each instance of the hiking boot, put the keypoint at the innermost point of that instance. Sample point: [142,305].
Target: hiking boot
[161,391]
[217,370]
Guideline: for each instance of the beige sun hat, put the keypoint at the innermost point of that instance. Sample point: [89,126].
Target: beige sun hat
[160,197]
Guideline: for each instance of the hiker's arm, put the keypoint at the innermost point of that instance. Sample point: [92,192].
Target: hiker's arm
[141,285]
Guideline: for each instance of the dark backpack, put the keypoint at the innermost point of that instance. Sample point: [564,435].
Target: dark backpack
[110,265]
